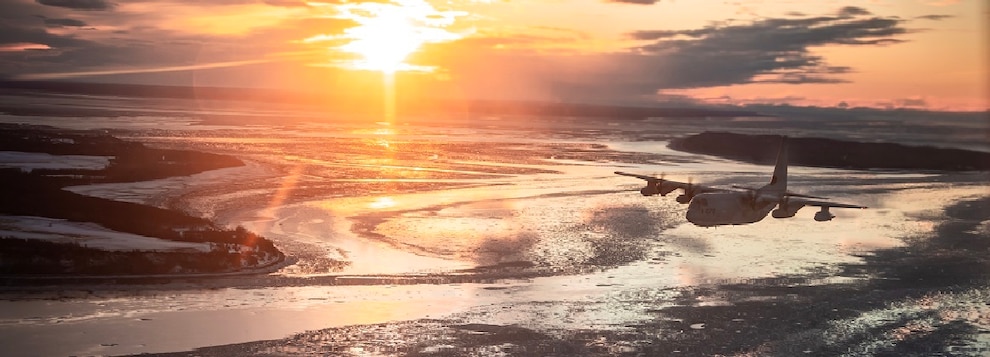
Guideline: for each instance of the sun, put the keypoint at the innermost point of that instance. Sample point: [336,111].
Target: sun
[384,42]
[387,33]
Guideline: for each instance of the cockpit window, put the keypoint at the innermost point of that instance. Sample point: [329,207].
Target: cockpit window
[702,201]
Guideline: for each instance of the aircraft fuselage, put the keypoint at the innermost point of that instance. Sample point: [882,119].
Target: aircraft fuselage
[726,208]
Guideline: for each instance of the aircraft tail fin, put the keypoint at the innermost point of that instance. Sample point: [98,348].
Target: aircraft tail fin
[778,182]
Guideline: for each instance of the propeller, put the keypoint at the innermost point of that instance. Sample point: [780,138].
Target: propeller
[652,184]
[658,184]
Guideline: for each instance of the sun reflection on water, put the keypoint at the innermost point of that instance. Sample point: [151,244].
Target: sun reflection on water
[383,131]
[382,203]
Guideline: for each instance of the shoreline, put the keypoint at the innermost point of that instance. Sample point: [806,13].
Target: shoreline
[275,266]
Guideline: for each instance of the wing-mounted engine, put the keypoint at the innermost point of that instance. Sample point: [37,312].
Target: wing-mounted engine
[650,189]
[689,192]
[786,209]
[659,187]
[666,187]
[824,215]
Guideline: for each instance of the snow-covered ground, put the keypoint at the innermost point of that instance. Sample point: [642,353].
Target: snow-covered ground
[90,235]
[27,161]
[86,234]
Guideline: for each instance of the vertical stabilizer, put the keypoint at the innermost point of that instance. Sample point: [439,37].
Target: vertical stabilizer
[778,182]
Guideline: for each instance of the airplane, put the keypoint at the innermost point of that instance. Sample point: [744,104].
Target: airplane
[710,207]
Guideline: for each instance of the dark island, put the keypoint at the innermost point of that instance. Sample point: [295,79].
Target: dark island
[40,193]
[821,152]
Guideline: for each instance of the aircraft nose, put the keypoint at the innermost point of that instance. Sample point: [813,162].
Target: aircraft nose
[691,215]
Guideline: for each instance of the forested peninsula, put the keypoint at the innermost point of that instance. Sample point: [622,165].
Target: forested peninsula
[40,193]
[822,152]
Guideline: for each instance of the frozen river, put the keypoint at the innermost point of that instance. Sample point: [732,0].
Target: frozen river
[387,223]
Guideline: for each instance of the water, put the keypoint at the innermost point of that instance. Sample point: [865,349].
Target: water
[414,201]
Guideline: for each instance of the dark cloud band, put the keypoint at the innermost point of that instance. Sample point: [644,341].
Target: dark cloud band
[64,23]
[79,4]
[769,50]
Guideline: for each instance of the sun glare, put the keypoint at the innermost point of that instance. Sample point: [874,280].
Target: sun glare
[387,33]
[382,202]
[384,42]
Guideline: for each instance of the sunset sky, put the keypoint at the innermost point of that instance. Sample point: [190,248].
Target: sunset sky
[922,54]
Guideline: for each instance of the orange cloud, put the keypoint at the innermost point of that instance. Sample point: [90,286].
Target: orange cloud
[22,46]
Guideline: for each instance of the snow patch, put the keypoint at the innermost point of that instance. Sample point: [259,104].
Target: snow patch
[28,161]
[90,235]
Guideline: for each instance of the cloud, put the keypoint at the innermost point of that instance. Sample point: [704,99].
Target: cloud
[10,33]
[519,62]
[768,50]
[79,4]
[774,50]
[63,75]
[63,22]
[286,3]
[941,2]
[636,2]
[934,17]
[850,11]
[145,41]
[915,102]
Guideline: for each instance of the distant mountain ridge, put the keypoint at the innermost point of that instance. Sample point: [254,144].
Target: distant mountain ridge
[490,107]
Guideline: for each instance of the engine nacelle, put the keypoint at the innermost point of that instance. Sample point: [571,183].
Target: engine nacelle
[786,211]
[824,215]
[781,213]
[649,190]
[664,190]
[684,199]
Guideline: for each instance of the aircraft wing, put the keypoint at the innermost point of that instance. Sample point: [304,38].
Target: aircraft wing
[794,204]
[641,177]
[665,185]
[788,193]
[818,203]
